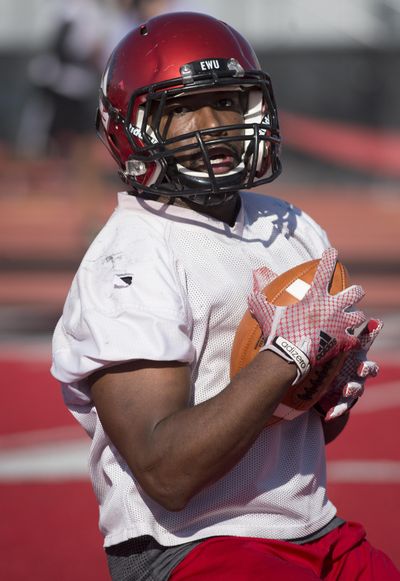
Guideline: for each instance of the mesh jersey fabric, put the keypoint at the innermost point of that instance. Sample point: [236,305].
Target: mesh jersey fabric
[163,282]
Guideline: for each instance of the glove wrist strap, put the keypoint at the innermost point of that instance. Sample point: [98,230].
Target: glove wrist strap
[290,353]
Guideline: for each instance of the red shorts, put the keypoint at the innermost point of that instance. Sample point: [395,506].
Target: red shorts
[343,554]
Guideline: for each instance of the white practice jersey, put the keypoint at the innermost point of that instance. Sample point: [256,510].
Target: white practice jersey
[162,282]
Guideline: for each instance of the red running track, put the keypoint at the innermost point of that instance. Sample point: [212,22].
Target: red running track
[48,528]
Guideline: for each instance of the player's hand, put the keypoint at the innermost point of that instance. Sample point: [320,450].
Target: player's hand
[315,329]
[262,277]
[349,384]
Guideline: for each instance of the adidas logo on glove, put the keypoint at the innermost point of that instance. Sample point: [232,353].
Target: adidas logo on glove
[326,343]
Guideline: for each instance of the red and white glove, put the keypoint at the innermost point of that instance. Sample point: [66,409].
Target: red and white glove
[349,384]
[262,277]
[315,329]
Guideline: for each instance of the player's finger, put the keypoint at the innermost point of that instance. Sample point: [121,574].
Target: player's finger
[367,369]
[353,389]
[260,308]
[325,270]
[339,410]
[370,333]
[262,277]
[350,296]
[354,319]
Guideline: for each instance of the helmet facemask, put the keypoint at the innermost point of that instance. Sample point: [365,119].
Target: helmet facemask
[155,164]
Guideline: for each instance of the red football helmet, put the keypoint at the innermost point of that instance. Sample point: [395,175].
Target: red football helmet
[174,55]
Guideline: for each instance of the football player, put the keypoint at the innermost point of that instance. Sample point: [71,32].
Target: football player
[190,482]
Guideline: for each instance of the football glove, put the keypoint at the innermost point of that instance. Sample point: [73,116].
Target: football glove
[315,329]
[349,384]
[262,277]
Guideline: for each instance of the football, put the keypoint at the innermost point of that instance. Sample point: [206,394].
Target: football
[287,289]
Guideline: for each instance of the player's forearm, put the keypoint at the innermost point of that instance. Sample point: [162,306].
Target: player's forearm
[196,446]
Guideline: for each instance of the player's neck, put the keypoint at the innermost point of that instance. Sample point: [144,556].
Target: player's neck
[227,211]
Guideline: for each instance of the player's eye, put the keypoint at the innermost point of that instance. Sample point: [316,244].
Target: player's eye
[226,103]
[178,110]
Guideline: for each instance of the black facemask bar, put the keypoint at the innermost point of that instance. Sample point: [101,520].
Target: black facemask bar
[170,181]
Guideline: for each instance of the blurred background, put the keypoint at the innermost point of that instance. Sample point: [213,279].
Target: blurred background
[335,70]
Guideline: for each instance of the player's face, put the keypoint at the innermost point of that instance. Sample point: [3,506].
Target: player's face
[206,111]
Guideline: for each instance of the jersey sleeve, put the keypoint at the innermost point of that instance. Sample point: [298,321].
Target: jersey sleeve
[122,305]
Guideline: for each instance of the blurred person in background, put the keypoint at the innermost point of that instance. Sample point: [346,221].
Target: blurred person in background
[190,482]
[64,80]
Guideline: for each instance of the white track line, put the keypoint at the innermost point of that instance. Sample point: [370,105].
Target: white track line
[20,440]
[60,454]
[68,462]
[46,462]
[364,471]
